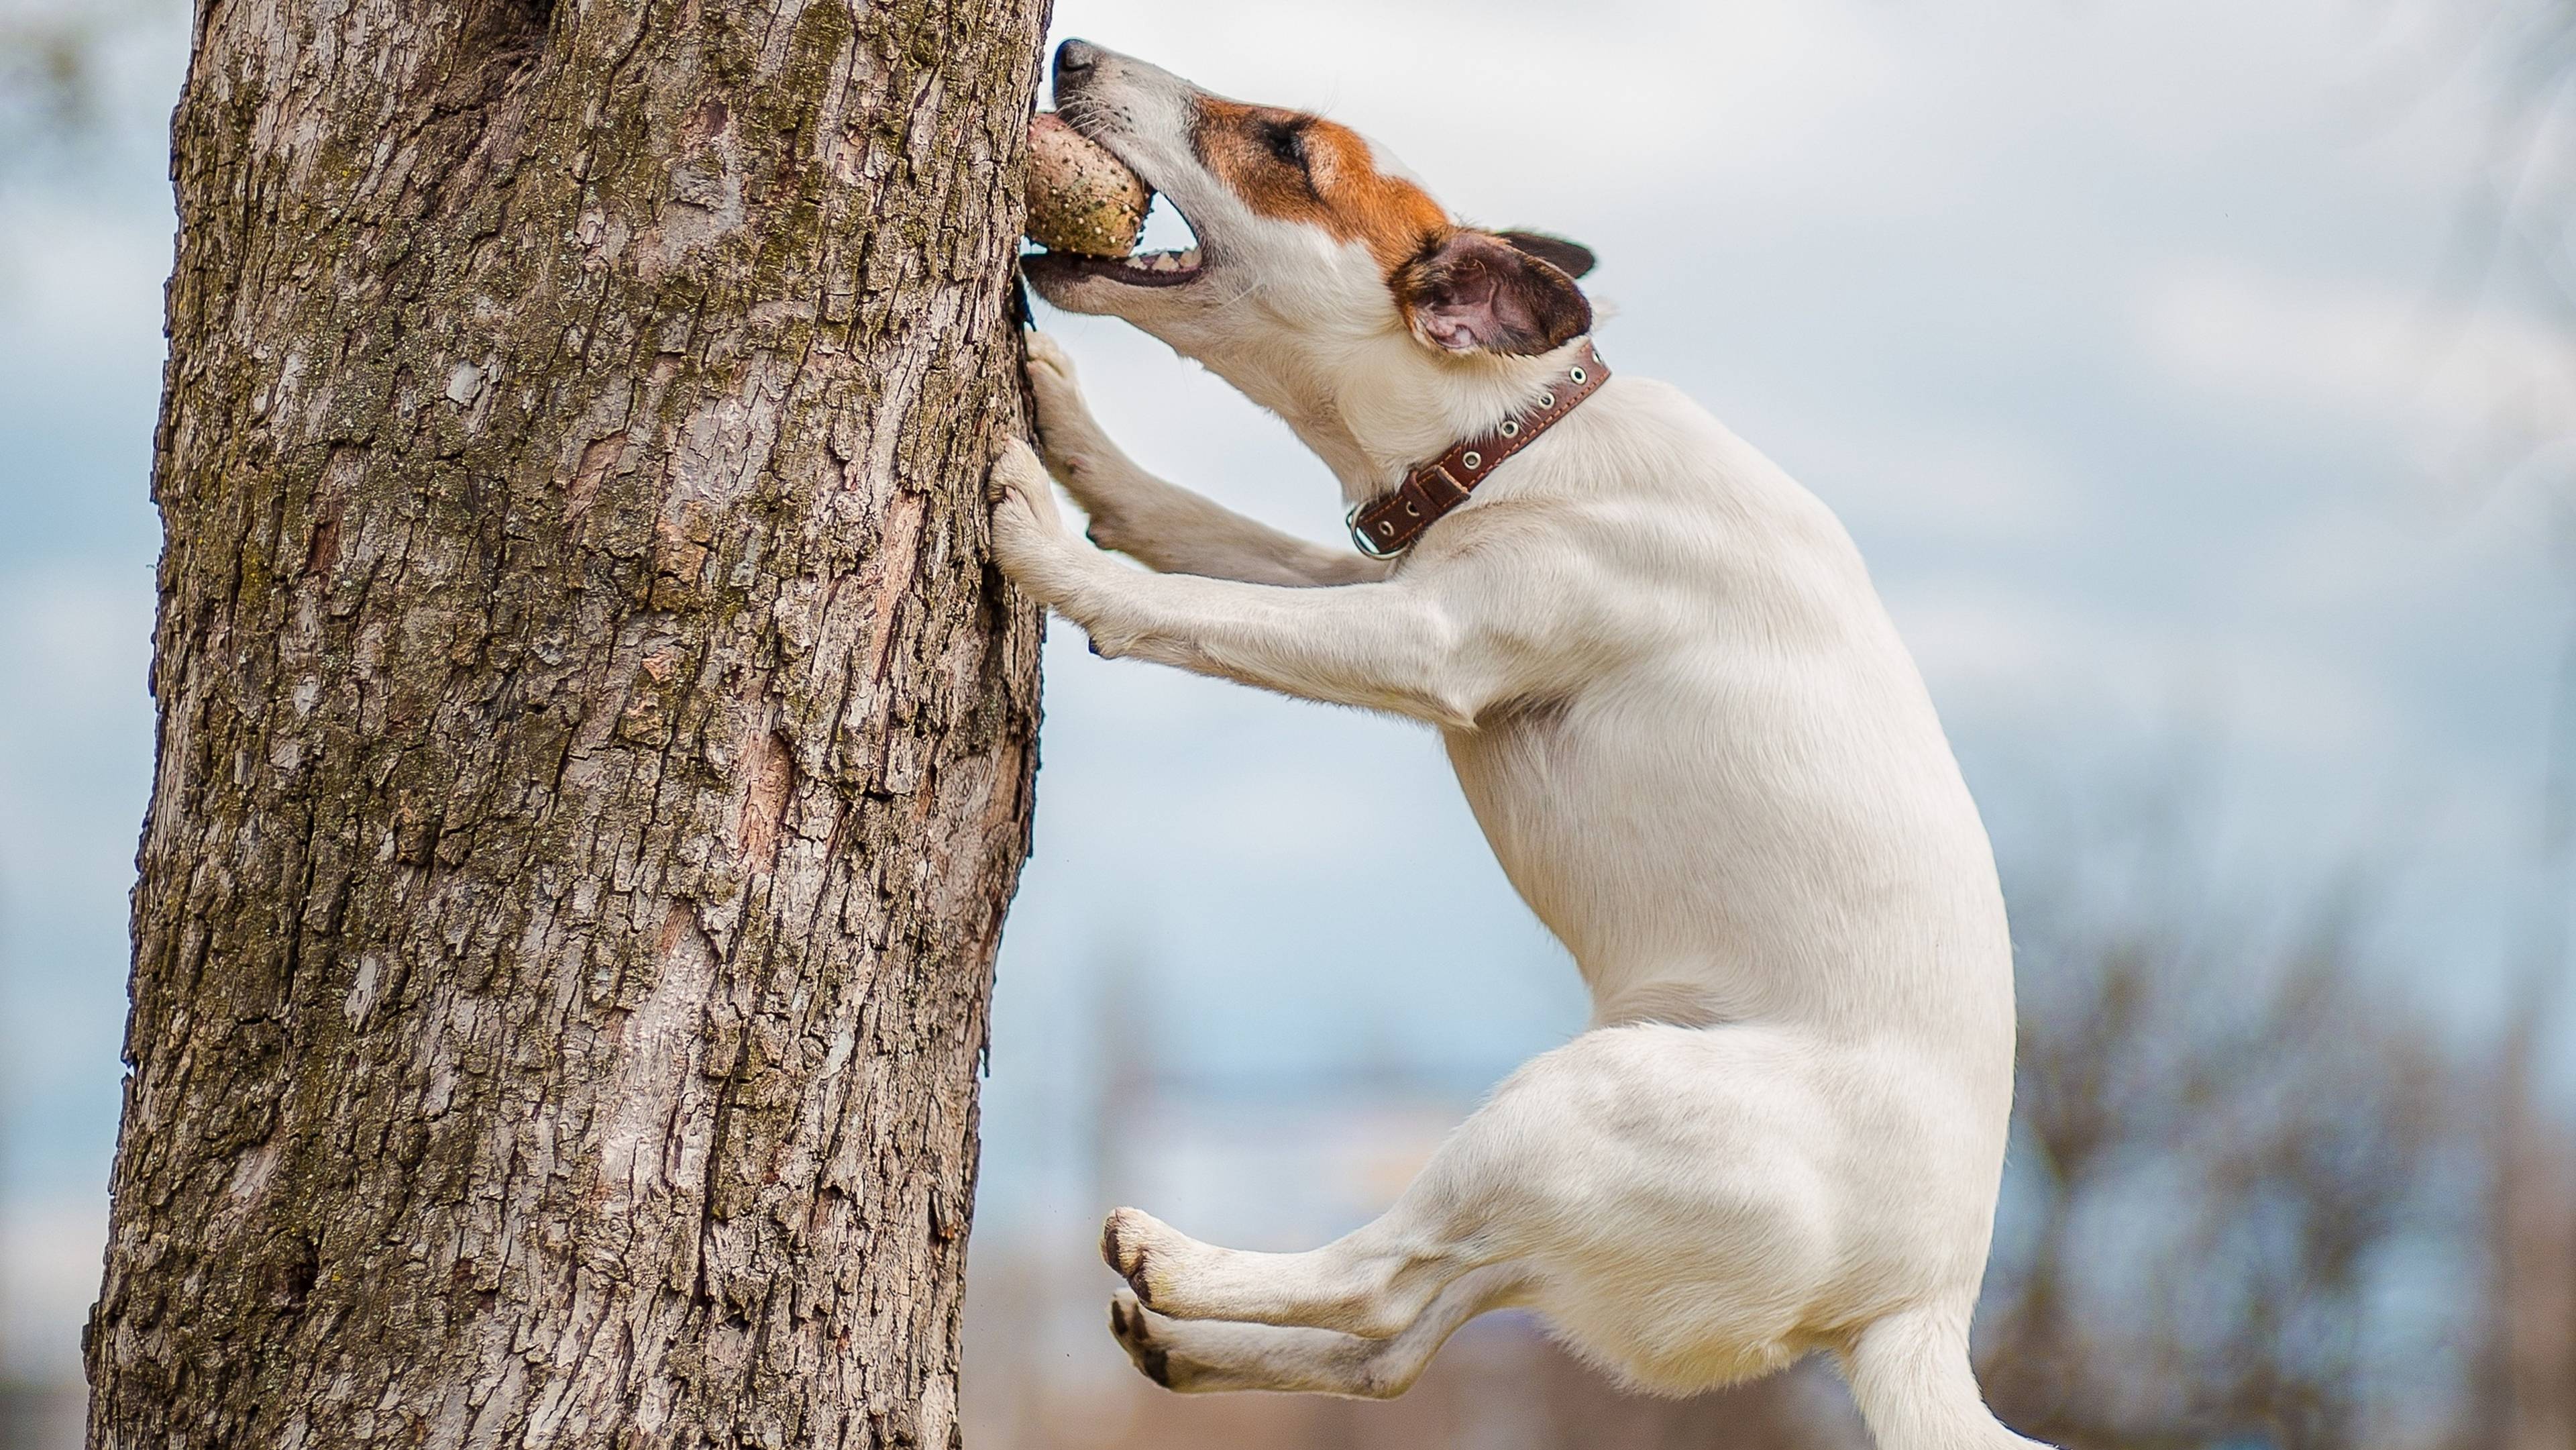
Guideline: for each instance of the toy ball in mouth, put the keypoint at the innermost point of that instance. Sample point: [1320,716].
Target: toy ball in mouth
[1081,198]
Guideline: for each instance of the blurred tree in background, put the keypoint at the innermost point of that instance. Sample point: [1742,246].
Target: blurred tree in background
[50,60]
[2238,1169]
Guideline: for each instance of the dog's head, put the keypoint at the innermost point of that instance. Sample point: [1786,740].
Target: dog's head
[1316,256]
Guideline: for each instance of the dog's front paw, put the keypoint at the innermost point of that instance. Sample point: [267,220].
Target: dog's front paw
[1028,535]
[1066,430]
[1066,573]
[1062,414]
[1050,366]
[1077,452]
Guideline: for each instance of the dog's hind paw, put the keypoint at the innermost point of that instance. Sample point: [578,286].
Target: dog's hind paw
[1127,1244]
[1122,1246]
[1133,1328]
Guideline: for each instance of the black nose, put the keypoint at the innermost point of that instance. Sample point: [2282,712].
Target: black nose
[1075,57]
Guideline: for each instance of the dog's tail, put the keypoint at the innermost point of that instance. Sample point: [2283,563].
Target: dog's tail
[1910,1374]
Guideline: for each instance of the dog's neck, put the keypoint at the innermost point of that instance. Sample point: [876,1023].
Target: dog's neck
[1393,405]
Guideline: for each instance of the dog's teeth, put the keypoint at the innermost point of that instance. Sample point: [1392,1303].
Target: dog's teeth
[1165,262]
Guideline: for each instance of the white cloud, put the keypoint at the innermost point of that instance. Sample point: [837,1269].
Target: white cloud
[2375,352]
[1716,94]
[2034,664]
[1945,479]
[1987,647]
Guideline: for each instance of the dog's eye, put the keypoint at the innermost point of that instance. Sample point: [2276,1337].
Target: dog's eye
[1287,142]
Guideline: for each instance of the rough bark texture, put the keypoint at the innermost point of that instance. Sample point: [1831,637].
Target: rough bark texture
[594,750]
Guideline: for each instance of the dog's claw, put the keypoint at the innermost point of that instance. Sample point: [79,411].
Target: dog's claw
[1122,1250]
[1135,1334]
[1112,1251]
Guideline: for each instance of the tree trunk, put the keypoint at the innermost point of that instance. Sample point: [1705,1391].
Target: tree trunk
[594,750]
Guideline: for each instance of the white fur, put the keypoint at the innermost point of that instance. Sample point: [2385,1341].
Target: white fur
[1702,756]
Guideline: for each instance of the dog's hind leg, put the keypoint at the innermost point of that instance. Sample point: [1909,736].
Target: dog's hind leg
[1372,1282]
[1196,1356]
[1616,1169]
[1466,1209]
[1509,1185]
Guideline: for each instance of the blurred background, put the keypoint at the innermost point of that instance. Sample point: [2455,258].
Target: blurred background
[2199,378]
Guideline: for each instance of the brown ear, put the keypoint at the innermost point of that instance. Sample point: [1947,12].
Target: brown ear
[1572,258]
[1475,292]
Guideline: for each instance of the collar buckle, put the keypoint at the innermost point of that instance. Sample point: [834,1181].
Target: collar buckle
[1360,536]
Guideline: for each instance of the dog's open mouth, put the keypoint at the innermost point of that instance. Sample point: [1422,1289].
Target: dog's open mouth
[1090,209]
[1142,269]
[1165,267]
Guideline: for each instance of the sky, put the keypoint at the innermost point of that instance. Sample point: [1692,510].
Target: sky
[2131,342]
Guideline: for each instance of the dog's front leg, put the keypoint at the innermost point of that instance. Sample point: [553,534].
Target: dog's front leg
[1161,525]
[1388,646]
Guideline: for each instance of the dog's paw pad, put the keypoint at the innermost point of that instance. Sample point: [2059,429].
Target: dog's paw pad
[1123,1240]
[1121,1247]
[1134,1330]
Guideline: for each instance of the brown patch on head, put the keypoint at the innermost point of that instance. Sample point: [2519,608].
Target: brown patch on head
[1296,167]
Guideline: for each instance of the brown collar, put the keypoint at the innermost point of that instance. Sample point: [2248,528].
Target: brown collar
[1389,526]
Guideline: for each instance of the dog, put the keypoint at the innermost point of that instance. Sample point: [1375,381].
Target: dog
[1688,729]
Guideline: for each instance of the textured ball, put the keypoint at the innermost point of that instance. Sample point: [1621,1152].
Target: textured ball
[1081,198]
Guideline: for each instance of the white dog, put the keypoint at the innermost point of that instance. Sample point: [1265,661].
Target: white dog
[1687,727]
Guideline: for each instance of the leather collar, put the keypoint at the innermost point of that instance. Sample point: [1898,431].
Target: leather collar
[1389,525]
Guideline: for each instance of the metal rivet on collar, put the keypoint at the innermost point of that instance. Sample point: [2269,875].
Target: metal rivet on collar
[1384,528]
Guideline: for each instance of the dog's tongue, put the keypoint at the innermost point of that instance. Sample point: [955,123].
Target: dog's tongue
[1081,198]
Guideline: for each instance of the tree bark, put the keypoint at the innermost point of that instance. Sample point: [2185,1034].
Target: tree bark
[594,749]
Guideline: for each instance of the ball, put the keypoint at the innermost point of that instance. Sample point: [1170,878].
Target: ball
[1081,198]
